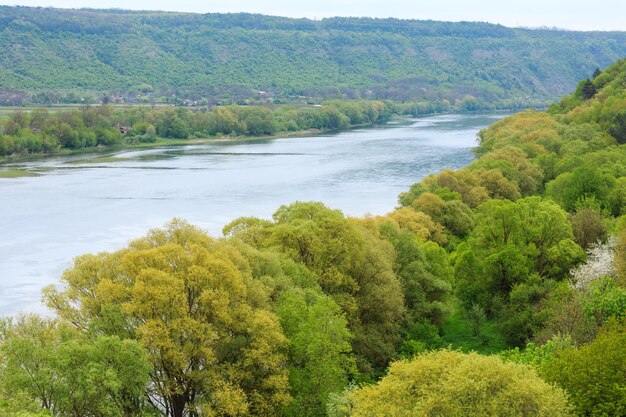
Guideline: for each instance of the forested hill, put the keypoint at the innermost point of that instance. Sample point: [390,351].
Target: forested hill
[205,55]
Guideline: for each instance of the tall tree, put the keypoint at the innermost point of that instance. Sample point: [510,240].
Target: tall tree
[351,264]
[596,72]
[587,89]
[214,347]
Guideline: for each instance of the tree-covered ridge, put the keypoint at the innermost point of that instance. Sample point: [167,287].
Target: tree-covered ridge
[546,188]
[545,185]
[54,50]
[311,313]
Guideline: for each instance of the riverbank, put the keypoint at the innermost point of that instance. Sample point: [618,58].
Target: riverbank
[159,142]
[40,134]
[162,142]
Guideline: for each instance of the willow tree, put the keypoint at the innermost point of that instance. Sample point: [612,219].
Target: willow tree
[214,347]
[447,383]
[514,255]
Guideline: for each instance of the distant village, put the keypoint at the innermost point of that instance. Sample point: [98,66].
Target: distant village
[128,98]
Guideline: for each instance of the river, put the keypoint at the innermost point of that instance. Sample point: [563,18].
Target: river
[77,206]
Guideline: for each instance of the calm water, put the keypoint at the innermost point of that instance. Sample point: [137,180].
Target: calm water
[76,207]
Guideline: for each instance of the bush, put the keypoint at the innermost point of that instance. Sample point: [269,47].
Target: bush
[593,375]
[448,383]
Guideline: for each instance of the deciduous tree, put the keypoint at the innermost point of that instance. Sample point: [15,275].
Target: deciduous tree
[214,347]
[448,383]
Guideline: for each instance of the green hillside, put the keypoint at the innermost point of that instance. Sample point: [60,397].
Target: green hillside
[58,51]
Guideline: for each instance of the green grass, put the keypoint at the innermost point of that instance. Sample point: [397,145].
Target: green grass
[16,173]
[457,332]
[98,160]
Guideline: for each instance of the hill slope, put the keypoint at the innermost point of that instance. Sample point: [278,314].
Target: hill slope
[43,49]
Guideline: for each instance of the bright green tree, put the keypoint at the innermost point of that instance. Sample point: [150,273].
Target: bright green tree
[511,258]
[351,264]
[319,350]
[66,373]
[593,375]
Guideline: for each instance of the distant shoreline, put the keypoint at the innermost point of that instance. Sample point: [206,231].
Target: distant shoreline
[102,151]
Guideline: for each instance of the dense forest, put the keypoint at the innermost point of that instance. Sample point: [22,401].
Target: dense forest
[54,55]
[497,289]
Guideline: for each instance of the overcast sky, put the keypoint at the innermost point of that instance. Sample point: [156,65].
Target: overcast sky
[568,14]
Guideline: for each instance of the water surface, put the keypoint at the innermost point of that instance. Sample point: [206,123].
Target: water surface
[77,207]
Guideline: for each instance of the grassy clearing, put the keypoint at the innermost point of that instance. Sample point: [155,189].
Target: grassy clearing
[457,332]
[16,173]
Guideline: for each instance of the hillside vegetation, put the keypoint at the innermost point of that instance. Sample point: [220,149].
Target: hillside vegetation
[520,257]
[54,54]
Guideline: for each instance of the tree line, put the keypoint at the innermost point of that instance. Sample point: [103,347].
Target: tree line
[42,131]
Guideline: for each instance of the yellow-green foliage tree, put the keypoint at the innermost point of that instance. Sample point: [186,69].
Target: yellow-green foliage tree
[464,183]
[530,131]
[448,383]
[190,301]
[319,357]
[515,166]
[419,224]
[454,384]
